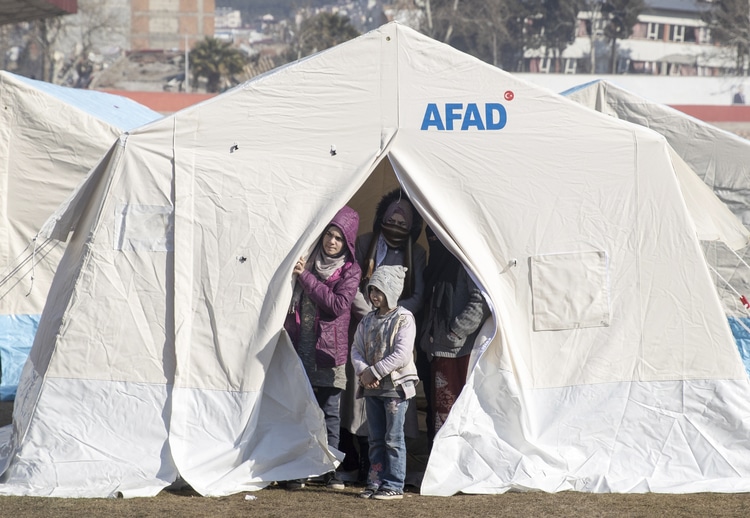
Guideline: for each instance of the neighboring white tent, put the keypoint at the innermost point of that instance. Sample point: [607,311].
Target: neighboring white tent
[608,366]
[50,137]
[720,158]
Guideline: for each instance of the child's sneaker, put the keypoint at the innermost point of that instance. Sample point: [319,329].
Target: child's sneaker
[334,482]
[388,494]
[368,492]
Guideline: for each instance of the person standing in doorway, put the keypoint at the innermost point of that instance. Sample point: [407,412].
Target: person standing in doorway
[383,359]
[392,242]
[318,320]
[454,312]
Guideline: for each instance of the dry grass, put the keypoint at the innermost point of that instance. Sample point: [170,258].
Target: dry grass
[319,502]
[316,501]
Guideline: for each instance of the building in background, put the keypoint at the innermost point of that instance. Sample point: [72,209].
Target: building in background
[170,24]
[670,38]
[228,18]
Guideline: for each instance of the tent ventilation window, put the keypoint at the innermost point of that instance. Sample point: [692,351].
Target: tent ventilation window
[148,228]
[570,290]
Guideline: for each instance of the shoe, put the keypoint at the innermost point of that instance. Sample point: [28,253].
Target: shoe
[334,482]
[368,492]
[295,484]
[388,494]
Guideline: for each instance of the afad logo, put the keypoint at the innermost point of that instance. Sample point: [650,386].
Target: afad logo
[457,116]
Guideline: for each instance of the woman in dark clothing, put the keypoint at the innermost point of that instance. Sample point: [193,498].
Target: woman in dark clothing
[454,312]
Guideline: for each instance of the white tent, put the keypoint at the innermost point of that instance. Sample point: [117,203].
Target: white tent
[720,158]
[50,137]
[608,365]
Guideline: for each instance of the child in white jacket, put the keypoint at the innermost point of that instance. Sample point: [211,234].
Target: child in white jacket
[383,359]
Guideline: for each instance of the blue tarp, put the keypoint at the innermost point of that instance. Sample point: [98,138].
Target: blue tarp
[741,331]
[17,331]
[16,338]
[116,110]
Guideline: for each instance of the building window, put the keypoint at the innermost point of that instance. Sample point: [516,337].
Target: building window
[639,30]
[704,35]
[654,31]
[691,34]
[678,33]
[599,25]
[583,28]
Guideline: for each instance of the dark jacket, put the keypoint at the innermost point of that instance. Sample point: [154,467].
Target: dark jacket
[413,293]
[384,203]
[332,298]
[454,313]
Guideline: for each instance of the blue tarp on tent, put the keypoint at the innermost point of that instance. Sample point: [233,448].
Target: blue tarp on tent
[115,110]
[741,331]
[16,338]
[56,134]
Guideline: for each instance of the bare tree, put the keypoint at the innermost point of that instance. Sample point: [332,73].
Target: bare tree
[48,33]
[491,30]
[59,49]
[729,23]
[97,25]
[446,20]
[499,38]
[28,47]
[319,32]
[595,16]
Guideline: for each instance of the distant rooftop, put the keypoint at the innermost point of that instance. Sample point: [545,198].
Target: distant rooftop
[690,6]
[16,11]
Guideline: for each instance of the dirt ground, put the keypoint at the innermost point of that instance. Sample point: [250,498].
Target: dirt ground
[317,501]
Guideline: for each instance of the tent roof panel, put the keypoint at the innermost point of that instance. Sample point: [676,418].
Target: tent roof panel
[114,110]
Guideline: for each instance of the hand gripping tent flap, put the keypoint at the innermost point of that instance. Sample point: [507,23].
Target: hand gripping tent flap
[608,367]
[50,138]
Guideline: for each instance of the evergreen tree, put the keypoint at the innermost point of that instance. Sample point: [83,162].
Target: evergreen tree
[622,16]
[558,22]
[216,61]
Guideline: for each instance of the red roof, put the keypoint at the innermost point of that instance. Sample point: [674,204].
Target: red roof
[163,102]
[711,113]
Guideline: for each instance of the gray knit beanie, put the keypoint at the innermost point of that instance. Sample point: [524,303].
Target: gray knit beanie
[389,280]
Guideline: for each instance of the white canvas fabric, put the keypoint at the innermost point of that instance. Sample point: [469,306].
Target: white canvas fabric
[50,138]
[570,290]
[187,321]
[719,158]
